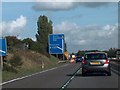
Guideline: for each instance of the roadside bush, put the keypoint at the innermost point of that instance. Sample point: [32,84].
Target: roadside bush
[9,68]
[16,61]
[13,64]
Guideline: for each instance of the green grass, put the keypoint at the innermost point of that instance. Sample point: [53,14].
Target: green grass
[53,59]
[0,76]
[23,72]
[11,75]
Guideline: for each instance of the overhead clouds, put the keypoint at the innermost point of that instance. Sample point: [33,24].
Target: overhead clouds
[58,6]
[13,27]
[88,37]
[60,0]
[54,6]
[94,4]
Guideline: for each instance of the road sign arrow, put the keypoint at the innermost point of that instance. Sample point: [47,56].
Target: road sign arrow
[59,48]
[2,51]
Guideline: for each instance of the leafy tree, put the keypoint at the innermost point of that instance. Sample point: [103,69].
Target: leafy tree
[13,41]
[29,42]
[44,29]
[80,53]
[112,52]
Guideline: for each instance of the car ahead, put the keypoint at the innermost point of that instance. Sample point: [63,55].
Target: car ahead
[96,62]
[78,59]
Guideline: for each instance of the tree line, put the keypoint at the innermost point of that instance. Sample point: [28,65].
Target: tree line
[111,52]
[44,28]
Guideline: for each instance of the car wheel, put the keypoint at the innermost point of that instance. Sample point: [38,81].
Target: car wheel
[109,73]
[83,73]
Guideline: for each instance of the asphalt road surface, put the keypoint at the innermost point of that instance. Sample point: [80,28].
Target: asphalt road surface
[66,76]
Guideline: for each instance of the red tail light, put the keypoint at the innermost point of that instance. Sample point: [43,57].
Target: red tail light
[107,61]
[84,62]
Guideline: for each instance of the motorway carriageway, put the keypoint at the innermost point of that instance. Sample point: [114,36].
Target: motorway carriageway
[66,76]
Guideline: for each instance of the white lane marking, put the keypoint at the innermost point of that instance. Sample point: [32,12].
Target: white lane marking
[115,71]
[31,75]
[66,84]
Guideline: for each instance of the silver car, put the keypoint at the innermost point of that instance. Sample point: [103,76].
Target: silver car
[96,62]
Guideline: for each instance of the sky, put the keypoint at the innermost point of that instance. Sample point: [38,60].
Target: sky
[86,25]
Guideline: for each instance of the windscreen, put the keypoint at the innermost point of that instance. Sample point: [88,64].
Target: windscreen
[95,56]
[79,58]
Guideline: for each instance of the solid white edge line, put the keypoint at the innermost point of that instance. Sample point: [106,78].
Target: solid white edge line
[31,75]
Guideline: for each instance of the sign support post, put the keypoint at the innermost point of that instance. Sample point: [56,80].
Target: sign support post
[63,57]
[1,59]
[57,55]
[63,48]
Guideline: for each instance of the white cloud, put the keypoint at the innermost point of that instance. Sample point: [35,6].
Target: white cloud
[18,0]
[54,6]
[79,42]
[59,0]
[62,5]
[66,27]
[77,0]
[13,27]
[88,37]
[34,39]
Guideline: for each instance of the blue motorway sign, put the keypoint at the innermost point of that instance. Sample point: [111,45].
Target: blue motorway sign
[3,47]
[56,43]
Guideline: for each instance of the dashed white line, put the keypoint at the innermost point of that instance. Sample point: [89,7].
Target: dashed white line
[66,84]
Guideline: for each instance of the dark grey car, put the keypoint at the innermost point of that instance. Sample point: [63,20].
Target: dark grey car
[78,59]
[96,62]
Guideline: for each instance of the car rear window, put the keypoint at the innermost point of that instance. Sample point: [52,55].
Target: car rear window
[95,56]
[79,58]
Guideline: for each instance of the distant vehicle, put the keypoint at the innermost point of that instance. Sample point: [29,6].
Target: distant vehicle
[96,62]
[78,59]
[114,58]
[72,60]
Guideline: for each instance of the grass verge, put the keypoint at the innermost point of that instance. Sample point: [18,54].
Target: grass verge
[28,71]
